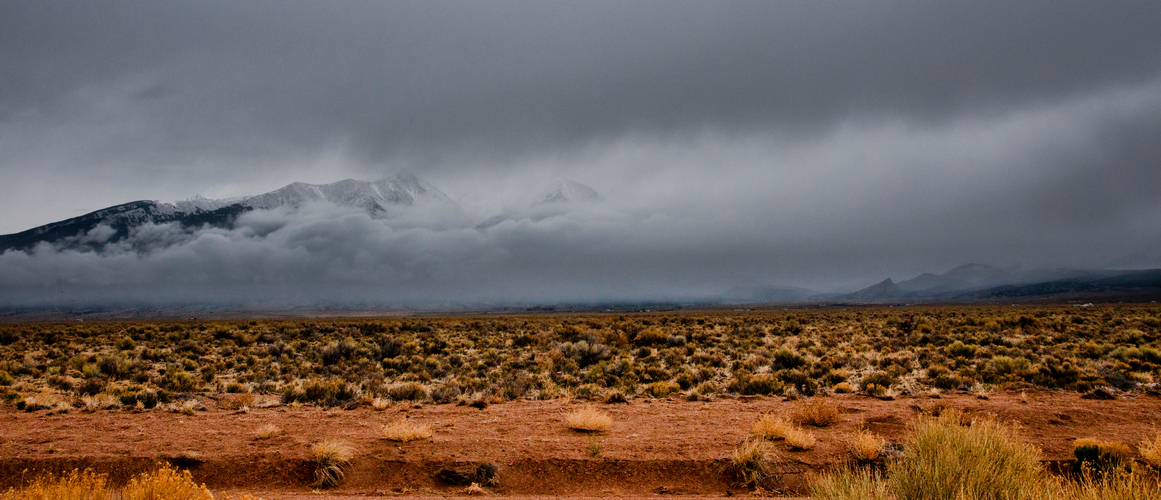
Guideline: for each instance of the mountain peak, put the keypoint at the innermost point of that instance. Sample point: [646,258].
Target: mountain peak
[570,192]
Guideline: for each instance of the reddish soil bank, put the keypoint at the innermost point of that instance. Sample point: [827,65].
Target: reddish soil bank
[655,447]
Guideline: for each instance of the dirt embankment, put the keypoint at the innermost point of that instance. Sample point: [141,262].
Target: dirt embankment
[655,447]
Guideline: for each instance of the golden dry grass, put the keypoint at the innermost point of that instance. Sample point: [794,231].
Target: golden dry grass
[165,483]
[267,431]
[76,485]
[867,446]
[1150,451]
[819,412]
[776,428]
[945,459]
[589,419]
[772,427]
[380,404]
[475,489]
[404,430]
[331,459]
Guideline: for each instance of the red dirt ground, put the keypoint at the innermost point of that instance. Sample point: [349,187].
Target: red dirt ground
[656,447]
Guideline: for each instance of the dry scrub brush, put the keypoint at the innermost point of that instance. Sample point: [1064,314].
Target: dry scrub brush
[331,459]
[404,430]
[589,419]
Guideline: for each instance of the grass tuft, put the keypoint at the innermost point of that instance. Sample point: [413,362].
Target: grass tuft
[819,412]
[589,419]
[268,431]
[867,447]
[404,430]
[754,461]
[331,459]
[775,428]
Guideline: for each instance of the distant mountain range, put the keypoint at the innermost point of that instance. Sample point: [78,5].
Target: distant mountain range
[380,199]
[972,283]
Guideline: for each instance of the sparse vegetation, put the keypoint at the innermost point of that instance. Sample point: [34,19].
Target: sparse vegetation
[331,459]
[589,419]
[796,353]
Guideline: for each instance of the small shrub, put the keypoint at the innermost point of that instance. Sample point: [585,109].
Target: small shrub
[404,430]
[843,388]
[331,459]
[819,412]
[268,431]
[407,391]
[380,404]
[1094,456]
[754,461]
[867,447]
[589,419]
[660,390]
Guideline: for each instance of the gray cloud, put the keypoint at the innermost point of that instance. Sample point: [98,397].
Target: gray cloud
[735,142]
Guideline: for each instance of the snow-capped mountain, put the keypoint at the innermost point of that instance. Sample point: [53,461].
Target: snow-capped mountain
[375,197]
[95,230]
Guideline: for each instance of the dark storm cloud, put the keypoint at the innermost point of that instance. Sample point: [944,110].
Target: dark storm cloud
[812,143]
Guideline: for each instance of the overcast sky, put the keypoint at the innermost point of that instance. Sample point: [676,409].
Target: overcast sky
[822,143]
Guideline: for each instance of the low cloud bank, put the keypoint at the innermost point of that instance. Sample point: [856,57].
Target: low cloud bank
[1070,183]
